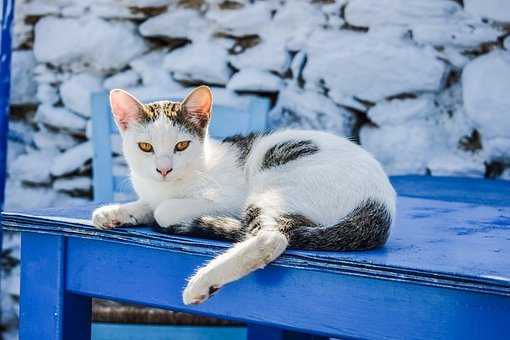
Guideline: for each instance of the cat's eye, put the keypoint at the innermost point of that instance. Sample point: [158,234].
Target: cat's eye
[145,147]
[181,146]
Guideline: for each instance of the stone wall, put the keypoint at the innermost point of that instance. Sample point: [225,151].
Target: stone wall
[422,84]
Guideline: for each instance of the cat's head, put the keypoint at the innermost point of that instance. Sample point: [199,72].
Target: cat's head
[163,140]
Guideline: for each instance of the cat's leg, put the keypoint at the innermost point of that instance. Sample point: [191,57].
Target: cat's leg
[197,218]
[243,258]
[116,215]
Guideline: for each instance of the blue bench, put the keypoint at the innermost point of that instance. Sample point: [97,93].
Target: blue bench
[444,273]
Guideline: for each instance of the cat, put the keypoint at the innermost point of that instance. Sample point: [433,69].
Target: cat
[292,188]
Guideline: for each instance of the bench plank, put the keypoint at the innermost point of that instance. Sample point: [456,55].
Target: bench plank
[433,242]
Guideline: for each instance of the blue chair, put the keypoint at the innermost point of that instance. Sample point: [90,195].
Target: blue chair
[226,121]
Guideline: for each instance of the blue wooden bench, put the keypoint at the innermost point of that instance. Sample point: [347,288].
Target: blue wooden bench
[444,273]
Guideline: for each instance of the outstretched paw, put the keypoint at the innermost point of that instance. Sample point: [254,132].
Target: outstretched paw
[199,289]
[112,216]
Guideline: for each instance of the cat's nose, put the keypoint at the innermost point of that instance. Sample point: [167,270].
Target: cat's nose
[164,171]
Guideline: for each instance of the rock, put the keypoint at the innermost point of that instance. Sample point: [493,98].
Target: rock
[77,91]
[506,43]
[19,196]
[498,10]
[383,68]
[185,24]
[38,8]
[486,85]
[248,20]
[188,63]
[47,94]
[61,118]
[72,160]
[294,32]
[45,139]
[405,148]
[270,55]
[121,80]
[23,85]
[497,149]
[87,40]
[459,31]
[148,67]
[368,13]
[76,184]
[309,110]
[400,111]
[145,3]
[451,164]
[44,74]
[253,80]
[23,167]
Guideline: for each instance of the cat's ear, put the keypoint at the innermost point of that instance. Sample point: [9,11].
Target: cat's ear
[126,108]
[197,106]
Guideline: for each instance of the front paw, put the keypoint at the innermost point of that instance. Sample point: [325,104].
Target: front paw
[112,216]
[199,289]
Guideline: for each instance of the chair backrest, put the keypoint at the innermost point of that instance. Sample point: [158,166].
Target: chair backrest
[244,116]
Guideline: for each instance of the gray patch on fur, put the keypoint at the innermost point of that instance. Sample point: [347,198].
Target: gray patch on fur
[244,145]
[288,151]
[212,227]
[366,227]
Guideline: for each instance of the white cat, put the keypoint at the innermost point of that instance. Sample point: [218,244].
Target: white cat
[292,188]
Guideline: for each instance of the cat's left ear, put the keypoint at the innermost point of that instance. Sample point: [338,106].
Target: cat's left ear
[197,106]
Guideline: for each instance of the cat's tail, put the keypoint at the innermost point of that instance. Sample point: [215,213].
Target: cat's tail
[366,227]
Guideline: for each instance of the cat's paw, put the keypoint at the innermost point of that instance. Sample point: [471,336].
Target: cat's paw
[199,289]
[112,216]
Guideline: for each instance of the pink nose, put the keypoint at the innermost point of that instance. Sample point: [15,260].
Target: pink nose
[164,171]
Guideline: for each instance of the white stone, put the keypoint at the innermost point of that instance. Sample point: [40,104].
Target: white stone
[366,13]
[451,164]
[77,91]
[19,196]
[144,3]
[190,64]
[23,85]
[486,88]
[497,149]
[60,117]
[253,80]
[370,68]
[34,167]
[498,10]
[270,54]
[506,43]
[47,94]
[175,24]
[400,111]
[456,32]
[310,110]
[44,74]
[124,79]
[45,139]
[72,184]
[72,160]
[102,44]
[250,19]
[405,148]
[39,8]
[293,24]
[149,67]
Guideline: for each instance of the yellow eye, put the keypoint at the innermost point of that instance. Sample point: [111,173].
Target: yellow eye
[181,146]
[145,147]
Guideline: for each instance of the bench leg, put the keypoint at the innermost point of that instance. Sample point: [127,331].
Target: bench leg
[47,311]
[256,332]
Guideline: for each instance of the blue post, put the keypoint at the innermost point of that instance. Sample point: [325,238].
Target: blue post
[5,81]
[5,88]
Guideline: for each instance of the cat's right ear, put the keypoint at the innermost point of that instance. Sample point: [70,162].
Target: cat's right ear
[126,108]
